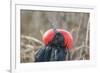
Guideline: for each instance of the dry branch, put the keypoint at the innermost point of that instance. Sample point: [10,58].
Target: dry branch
[78,30]
[87,33]
[32,38]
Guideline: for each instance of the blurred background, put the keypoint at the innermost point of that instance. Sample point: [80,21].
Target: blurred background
[35,23]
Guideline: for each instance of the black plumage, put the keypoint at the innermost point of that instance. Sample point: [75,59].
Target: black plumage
[54,51]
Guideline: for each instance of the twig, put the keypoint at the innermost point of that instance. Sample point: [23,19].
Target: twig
[87,34]
[78,30]
[74,29]
[32,38]
[81,46]
[41,32]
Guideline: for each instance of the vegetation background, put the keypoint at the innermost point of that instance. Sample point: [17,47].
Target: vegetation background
[35,23]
